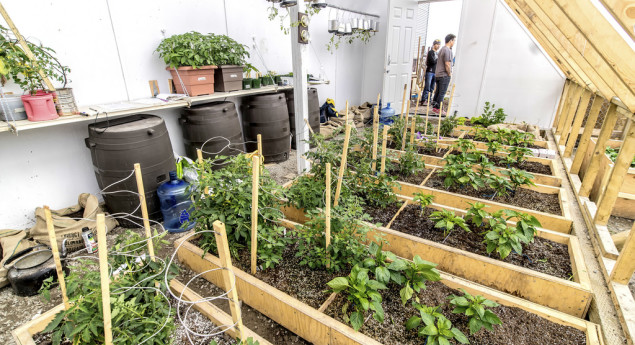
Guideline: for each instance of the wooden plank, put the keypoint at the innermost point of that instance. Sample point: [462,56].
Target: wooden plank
[625,305]
[594,165]
[625,265]
[105,278]
[577,123]
[563,97]
[340,175]
[618,172]
[23,334]
[383,148]
[598,101]
[568,119]
[56,255]
[622,11]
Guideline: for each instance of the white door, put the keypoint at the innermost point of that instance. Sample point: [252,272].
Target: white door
[398,59]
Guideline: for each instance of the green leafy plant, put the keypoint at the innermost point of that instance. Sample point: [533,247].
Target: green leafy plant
[409,162]
[518,154]
[16,65]
[612,154]
[447,220]
[502,237]
[458,171]
[519,177]
[447,125]
[436,328]
[464,145]
[476,214]
[475,308]
[362,294]
[493,147]
[385,265]
[499,184]
[525,223]
[424,200]
[417,273]
[490,116]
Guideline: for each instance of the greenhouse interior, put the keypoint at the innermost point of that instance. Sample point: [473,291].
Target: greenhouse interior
[330,172]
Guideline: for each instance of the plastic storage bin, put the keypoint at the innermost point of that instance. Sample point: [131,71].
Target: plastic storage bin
[12,108]
[175,204]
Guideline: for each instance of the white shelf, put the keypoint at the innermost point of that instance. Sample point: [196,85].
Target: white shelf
[135,108]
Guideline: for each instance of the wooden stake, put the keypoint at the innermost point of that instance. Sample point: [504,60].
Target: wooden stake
[403,103]
[309,125]
[255,168]
[56,255]
[383,149]
[625,265]
[425,131]
[199,155]
[144,210]
[375,133]
[228,276]
[418,57]
[327,220]
[577,123]
[405,128]
[259,139]
[598,101]
[340,176]
[413,125]
[605,133]
[105,277]
[439,126]
[450,103]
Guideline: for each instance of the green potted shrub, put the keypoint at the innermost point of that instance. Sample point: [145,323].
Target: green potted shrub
[17,67]
[230,57]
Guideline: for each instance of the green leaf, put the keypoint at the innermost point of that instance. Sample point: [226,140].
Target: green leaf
[338,284]
[413,322]
[406,293]
[357,320]
[379,311]
[429,330]
[459,336]
[375,285]
[474,325]
[460,301]
[398,265]
[382,274]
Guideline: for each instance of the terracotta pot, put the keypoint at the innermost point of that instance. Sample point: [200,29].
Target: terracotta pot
[40,107]
[198,81]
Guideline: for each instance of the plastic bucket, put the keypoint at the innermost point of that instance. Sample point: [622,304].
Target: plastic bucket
[39,107]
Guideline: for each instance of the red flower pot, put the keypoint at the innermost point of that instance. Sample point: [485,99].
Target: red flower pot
[39,107]
[198,81]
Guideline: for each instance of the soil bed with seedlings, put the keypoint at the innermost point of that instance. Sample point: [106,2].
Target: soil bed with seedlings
[382,215]
[416,178]
[532,167]
[523,197]
[423,150]
[519,327]
[543,255]
[530,146]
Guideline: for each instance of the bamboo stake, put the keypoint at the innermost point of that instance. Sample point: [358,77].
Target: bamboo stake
[418,61]
[259,139]
[309,125]
[340,176]
[428,109]
[403,103]
[255,168]
[144,210]
[327,221]
[405,128]
[375,133]
[199,155]
[228,276]
[56,255]
[450,103]
[383,149]
[105,278]
[413,125]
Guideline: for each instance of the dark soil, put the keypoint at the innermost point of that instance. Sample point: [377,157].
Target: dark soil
[382,215]
[526,198]
[543,255]
[532,146]
[415,179]
[422,150]
[45,339]
[532,167]
[519,327]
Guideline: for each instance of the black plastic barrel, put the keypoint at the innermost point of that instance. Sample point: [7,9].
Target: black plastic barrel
[268,116]
[216,125]
[314,112]
[115,146]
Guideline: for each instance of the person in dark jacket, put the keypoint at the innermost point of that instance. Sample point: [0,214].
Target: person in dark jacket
[431,65]
[443,72]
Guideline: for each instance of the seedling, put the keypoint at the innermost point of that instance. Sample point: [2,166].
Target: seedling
[417,273]
[385,265]
[519,177]
[446,220]
[525,223]
[501,185]
[476,214]
[409,162]
[474,307]
[424,200]
[518,154]
[493,147]
[362,293]
[436,327]
[464,145]
[503,238]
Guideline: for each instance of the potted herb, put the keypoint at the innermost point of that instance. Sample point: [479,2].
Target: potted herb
[230,57]
[17,67]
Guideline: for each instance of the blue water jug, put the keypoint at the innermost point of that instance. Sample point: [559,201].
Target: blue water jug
[176,204]
[386,115]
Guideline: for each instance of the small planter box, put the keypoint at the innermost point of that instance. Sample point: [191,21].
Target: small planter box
[197,81]
[228,78]
[321,329]
[23,335]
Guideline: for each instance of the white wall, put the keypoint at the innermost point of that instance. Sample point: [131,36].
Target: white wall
[52,166]
[499,61]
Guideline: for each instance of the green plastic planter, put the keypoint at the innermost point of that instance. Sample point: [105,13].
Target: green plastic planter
[246,83]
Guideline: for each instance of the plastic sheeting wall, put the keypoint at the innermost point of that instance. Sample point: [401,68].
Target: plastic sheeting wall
[52,166]
[499,61]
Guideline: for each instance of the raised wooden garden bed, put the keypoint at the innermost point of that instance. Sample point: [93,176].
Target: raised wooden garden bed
[23,335]
[315,326]
[470,130]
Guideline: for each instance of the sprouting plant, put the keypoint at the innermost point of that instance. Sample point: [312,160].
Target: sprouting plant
[447,126]
[518,154]
[385,265]
[461,121]
[446,220]
[475,308]
[417,273]
[436,327]
[490,116]
[476,214]
[499,184]
[424,200]
[464,145]
[502,237]
[525,223]
[493,147]
[409,162]
[519,177]
[362,294]
[457,171]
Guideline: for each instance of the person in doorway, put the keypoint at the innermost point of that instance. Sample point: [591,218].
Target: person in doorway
[431,65]
[443,72]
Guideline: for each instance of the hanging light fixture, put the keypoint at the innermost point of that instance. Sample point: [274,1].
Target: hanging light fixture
[288,3]
[319,4]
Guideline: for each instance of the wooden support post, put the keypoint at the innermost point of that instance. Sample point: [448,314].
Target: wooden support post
[439,126]
[228,276]
[144,210]
[340,176]
[327,219]
[565,108]
[405,127]
[418,60]
[586,135]
[260,153]
[450,102]
[309,126]
[255,171]
[605,133]
[383,149]
[56,255]
[565,91]
[300,58]
[577,123]
[375,133]
[105,277]
[568,122]
[199,156]
[403,103]
[608,196]
[425,131]
[413,125]
[625,265]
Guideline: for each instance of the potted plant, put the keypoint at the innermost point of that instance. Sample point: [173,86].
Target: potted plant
[17,67]
[230,57]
